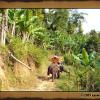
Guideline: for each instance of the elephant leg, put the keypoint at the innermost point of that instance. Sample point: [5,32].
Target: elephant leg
[58,74]
[55,75]
[49,70]
[52,77]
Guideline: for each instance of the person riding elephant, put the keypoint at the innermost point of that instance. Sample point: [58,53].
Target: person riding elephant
[55,63]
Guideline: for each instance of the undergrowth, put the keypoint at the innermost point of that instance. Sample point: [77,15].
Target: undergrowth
[22,50]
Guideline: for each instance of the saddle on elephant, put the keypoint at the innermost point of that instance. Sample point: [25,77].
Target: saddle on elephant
[55,66]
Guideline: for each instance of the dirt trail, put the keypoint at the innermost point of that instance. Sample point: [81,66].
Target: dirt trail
[45,85]
[42,85]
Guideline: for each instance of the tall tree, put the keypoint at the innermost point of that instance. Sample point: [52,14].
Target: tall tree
[12,14]
[4,28]
[75,22]
[56,19]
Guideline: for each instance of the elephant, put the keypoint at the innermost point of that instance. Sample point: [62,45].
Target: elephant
[54,69]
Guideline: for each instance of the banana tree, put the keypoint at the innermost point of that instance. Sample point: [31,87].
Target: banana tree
[24,23]
[84,73]
[38,36]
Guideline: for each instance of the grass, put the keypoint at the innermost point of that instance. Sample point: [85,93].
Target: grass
[11,77]
[42,70]
[41,58]
[20,82]
[22,51]
[66,82]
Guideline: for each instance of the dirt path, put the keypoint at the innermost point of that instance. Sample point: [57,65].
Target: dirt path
[45,85]
[42,85]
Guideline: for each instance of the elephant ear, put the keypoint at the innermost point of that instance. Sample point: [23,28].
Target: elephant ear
[85,57]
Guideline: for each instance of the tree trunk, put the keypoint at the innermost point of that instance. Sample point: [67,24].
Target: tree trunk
[4,26]
[25,37]
[13,29]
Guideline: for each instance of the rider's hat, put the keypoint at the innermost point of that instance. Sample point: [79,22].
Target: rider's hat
[55,58]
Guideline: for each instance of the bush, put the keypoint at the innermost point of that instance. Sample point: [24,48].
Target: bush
[77,60]
[65,84]
[22,50]
[3,50]
[68,59]
[18,48]
[36,53]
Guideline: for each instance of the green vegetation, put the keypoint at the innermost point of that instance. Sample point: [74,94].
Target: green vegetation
[32,35]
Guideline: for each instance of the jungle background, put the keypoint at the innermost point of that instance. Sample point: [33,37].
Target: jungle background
[28,38]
